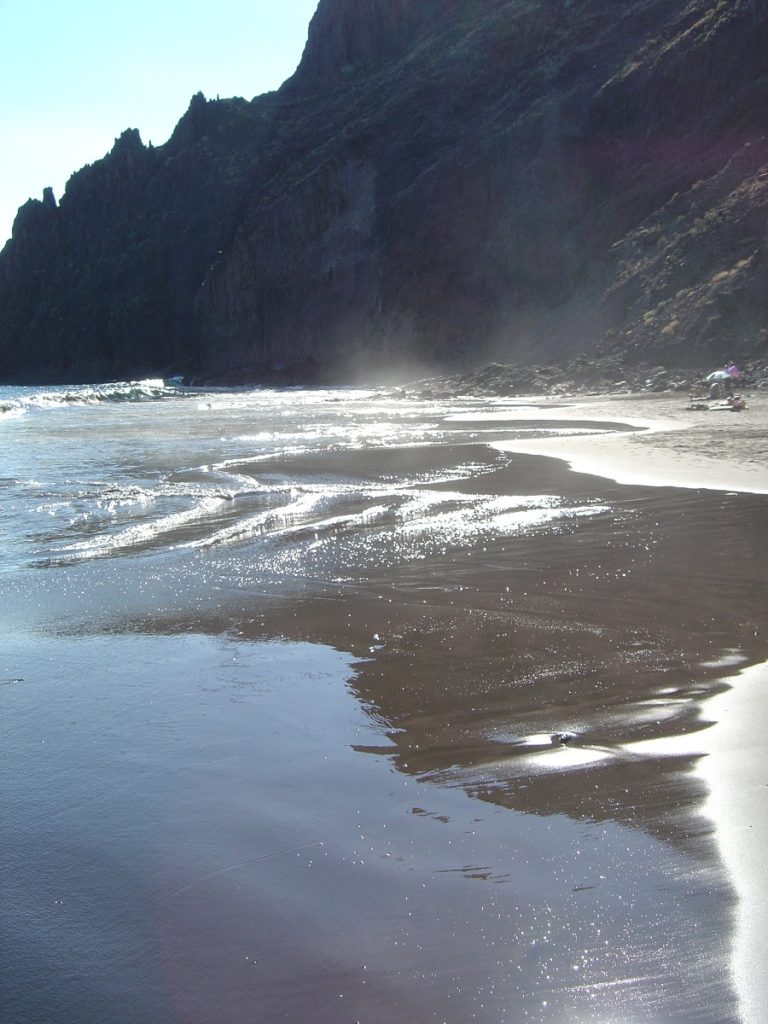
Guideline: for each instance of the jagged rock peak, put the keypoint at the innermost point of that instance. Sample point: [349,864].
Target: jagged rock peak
[202,116]
[35,212]
[346,36]
[128,142]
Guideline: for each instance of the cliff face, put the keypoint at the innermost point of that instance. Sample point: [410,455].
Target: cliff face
[438,182]
[349,33]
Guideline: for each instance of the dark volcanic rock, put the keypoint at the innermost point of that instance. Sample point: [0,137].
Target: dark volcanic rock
[439,183]
[348,35]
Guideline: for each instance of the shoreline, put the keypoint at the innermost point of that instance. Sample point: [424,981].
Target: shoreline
[413,681]
[732,750]
[669,444]
[734,771]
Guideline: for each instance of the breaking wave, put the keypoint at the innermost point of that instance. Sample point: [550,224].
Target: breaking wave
[18,400]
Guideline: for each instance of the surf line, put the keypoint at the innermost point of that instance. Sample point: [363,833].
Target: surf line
[234,867]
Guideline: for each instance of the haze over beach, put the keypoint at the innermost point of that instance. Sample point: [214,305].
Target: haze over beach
[384,578]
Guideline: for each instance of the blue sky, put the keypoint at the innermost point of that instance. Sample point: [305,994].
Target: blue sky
[74,75]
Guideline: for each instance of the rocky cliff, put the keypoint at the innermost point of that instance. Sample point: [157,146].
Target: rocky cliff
[441,181]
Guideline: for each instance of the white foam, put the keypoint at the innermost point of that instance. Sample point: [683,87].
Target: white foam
[141,533]
[274,521]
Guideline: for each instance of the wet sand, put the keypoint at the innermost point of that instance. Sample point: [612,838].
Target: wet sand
[726,452]
[488,784]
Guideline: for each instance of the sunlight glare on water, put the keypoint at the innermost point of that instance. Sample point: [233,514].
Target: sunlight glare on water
[140,469]
[318,699]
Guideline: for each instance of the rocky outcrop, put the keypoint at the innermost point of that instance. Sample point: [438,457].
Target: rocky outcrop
[351,37]
[439,183]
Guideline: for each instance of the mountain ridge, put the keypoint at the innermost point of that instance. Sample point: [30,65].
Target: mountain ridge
[436,185]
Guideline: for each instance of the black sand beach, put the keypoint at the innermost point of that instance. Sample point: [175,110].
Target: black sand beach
[466,786]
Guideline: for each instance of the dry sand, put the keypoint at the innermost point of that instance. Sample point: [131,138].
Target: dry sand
[672,444]
[737,776]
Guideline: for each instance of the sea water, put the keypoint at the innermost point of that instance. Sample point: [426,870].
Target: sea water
[199,490]
[280,719]
[140,468]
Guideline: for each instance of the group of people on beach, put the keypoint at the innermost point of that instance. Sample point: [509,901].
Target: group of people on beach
[720,385]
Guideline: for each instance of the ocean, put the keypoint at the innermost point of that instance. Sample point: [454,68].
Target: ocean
[323,706]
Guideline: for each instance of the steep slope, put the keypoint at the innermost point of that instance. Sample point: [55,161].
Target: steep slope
[438,183]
